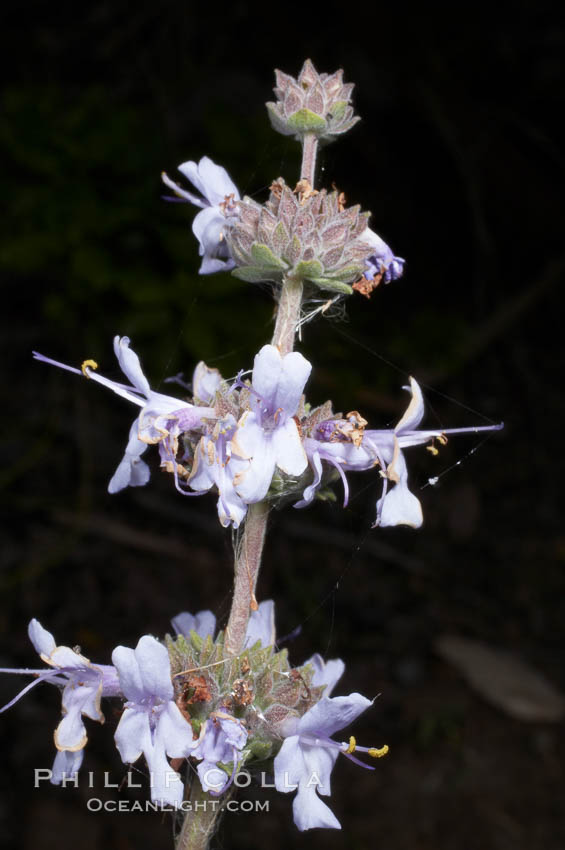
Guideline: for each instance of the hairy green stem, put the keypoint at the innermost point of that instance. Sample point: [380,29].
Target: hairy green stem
[247,562]
[288,314]
[202,820]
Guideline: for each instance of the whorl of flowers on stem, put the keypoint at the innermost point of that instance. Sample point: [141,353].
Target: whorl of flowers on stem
[302,234]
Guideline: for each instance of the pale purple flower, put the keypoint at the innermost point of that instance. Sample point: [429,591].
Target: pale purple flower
[382,449]
[222,739]
[381,260]
[83,685]
[205,383]
[261,625]
[308,754]
[203,623]
[267,434]
[217,203]
[216,465]
[161,420]
[326,673]
[66,766]
[152,723]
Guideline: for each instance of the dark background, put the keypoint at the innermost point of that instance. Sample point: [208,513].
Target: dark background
[460,160]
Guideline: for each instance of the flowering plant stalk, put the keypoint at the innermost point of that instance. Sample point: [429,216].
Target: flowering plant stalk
[204,704]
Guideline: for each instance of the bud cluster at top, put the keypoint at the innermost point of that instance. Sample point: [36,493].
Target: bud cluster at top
[313,103]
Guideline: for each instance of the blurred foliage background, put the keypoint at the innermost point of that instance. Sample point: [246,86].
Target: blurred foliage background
[459,156]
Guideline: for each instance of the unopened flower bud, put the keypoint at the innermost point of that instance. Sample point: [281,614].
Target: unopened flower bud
[313,103]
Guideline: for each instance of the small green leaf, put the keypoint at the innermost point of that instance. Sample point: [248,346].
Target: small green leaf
[278,123]
[254,274]
[264,257]
[308,269]
[332,285]
[305,121]
[352,272]
[338,109]
[280,236]
[196,641]
[260,750]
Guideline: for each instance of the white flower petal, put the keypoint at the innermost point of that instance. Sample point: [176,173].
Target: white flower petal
[64,656]
[131,472]
[310,812]
[414,412]
[326,673]
[154,668]
[267,369]
[191,171]
[181,192]
[214,181]
[231,508]
[130,365]
[378,245]
[210,265]
[203,623]
[261,625]
[66,765]
[399,506]
[250,439]
[70,734]
[85,694]
[289,765]
[319,763]
[133,735]
[205,383]
[42,640]
[207,227]
[125,662]
[294,374]
[288,449]
[174,732]
[167,788]
[331,714]
[203,473]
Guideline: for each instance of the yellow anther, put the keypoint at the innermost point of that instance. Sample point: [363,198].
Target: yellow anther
[88,364]
[442,440]
[432,450]
[352,745]
[378,752]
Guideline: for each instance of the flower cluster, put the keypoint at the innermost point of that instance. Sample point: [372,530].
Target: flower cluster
[246,440]
[302,233]
[211,703]
[187,699]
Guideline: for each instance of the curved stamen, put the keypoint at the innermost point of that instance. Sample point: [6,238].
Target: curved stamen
[338,465]
[358,761]
[42,676]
